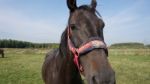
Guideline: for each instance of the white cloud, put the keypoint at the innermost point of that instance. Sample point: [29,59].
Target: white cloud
[26,28]
[124,17]
[126,25]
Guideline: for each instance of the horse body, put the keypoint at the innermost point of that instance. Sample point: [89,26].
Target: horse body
[62,66]
[2,52]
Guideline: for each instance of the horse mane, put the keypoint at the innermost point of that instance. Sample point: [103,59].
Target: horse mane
[63,43]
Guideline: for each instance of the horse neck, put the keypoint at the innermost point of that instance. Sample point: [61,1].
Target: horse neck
[71,73]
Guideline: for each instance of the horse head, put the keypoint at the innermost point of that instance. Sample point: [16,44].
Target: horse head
[86,40]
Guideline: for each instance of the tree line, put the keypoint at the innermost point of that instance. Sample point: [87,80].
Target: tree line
[9,43]
[129,45]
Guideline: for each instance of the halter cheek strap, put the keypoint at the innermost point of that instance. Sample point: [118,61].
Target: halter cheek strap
[74,51]
[87,47]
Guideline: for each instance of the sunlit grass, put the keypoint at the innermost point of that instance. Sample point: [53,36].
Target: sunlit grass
[131,65]
[23,66]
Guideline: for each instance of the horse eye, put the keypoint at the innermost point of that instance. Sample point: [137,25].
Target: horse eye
[73,27]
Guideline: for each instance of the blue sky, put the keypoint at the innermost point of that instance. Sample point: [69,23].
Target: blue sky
[43,21]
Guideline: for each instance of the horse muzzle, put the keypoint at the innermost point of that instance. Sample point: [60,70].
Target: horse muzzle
[105,77]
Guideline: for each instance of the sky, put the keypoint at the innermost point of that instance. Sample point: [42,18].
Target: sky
[43,21]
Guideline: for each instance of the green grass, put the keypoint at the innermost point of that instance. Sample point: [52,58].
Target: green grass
[132,66]
[23,66]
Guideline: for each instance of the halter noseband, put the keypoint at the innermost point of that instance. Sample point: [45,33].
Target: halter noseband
[93,43]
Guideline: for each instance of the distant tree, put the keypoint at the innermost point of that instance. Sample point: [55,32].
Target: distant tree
[128,45]
[147,46]
[9,43]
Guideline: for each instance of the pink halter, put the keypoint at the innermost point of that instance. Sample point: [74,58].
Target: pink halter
[95,43]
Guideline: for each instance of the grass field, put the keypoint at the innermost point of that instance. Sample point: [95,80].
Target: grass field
[23,66]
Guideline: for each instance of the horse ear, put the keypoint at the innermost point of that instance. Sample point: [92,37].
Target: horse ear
[71,5]
[93,4]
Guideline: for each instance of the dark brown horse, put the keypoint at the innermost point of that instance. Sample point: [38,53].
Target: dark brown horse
[82,50]
[2,52]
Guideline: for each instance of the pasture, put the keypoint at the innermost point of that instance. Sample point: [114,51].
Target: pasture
[23,66]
